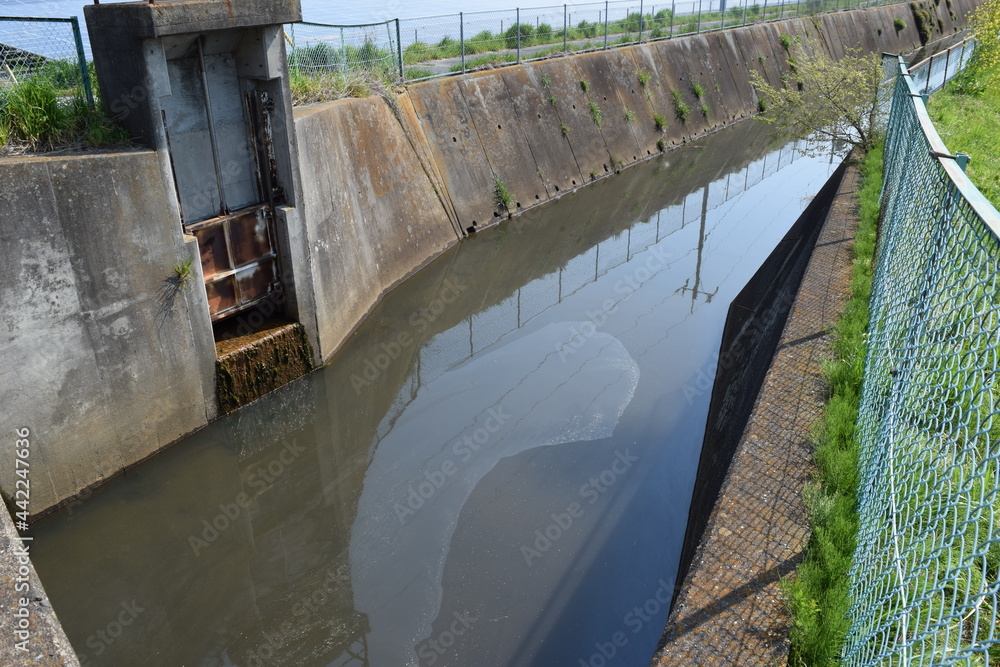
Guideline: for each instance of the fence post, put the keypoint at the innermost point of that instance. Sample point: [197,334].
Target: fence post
[673,8]
[699,16]
[343,51]
[565,29]
[461,37]
[605,23]
[399,50]
[746,3]
[640,20]
[927,85]
[765,10]
[82,59]
[518,34]
[947,58]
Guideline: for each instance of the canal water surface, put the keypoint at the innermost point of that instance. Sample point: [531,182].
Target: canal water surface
[496,470]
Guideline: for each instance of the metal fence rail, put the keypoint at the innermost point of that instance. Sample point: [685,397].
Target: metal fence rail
[47,47]
[924,579]
[423,48]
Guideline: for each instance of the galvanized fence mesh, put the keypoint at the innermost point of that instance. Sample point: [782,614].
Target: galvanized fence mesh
[924,579]
[51,48]
[422,48]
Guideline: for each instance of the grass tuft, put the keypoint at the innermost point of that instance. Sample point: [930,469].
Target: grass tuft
[819,596]
[661,121]
[595,113]
[501,195]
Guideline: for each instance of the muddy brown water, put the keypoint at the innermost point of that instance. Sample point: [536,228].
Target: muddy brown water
[496,470]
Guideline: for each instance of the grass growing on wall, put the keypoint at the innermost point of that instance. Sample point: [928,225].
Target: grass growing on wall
[818,596]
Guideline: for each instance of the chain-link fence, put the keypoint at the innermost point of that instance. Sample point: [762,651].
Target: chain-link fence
[422,48]
[924,580]
[49,48]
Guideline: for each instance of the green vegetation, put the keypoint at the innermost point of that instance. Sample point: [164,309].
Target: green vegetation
[643,78]
[835,98]
[46,110]
[564,129]
[629,116]
[183,274]
[680,107]
[661,121]
[704,109]
[335,85]
[968,120]
[584,85]
[786,41]
[983,71]
[501,195]
[661,144]
[924,20]
[553,101]
[546,81]
[593,174]
[698,91]
[899,24]
[595,113]
[819,596]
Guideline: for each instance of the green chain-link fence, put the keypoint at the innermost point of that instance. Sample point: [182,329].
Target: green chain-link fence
[422,48]
[44,47]
[924,580]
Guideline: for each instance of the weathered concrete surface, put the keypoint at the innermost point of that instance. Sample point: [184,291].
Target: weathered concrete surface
[730,610]
[103,355]
[140,19]
[45,643]
[373,213]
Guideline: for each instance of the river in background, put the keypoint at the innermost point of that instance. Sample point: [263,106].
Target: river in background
[495,470]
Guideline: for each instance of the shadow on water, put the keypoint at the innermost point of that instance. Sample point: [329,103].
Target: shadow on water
[496,470]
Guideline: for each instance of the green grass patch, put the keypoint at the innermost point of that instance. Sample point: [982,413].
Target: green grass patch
[629,116]
[680,107]
[595,113]
[493,59]
[47,111]
[501,195]
[661,121]
[818,596]
[970,123]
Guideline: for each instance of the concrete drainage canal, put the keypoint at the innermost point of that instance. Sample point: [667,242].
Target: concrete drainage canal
[497,469]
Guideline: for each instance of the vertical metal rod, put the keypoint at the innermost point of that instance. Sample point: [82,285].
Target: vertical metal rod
[399,50]
[746,3]
[673,10]
[223,208]
[947,57]
[461,37]
[722,9]
[699,15]
[605,23]
[640,20]
[565,29]
[84,71]
[765,10]
[519,34]
[927,85]
[343,52]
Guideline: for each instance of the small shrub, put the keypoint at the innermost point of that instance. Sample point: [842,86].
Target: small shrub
[629,116]
[546,81]
[501,195]
[553,101]
[584,85]
[699,92]
[595,113]
[786,41]
[661,121]
[183,274]
[564,130]
[704,110]
[899,24]
[761,105]
[661,144]
[643,78]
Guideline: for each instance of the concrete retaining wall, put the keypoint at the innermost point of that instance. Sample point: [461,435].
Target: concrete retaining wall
[103,355]
[107,361]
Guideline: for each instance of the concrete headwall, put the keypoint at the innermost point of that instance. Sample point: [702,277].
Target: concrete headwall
[104,354]
[106,358]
